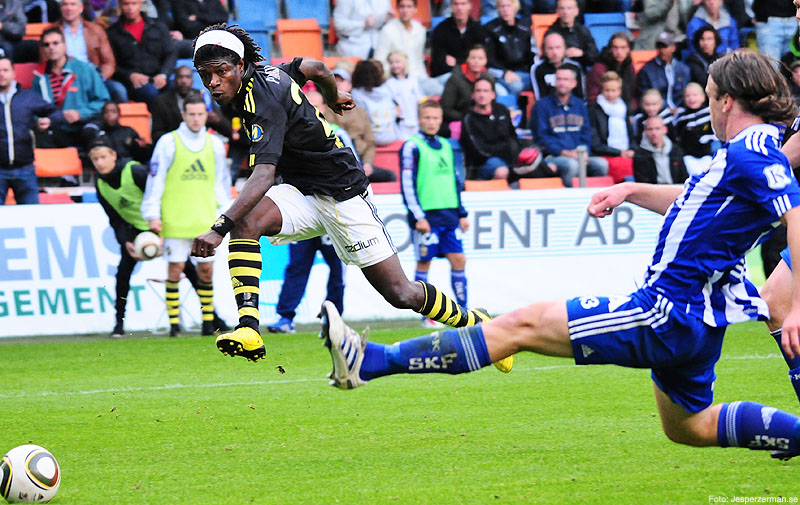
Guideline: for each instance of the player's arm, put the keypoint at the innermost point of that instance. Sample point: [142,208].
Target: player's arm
[791,325]
[655,197]
[322,76]
[792,150]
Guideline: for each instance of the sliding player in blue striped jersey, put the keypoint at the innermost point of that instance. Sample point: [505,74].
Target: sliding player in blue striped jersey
[694,288]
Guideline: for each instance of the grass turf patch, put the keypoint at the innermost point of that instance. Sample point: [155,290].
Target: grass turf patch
[159,420]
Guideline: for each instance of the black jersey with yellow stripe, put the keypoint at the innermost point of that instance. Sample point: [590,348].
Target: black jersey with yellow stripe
[287,131]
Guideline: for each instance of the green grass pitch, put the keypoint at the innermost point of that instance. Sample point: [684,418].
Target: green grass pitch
[160,421]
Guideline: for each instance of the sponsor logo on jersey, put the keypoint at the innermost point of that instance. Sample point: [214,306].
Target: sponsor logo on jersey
[195,171]
[361,245]
[256,133]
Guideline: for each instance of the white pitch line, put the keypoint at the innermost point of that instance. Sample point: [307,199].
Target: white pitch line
[283,381]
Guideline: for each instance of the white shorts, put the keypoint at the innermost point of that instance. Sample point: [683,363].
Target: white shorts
[177,250]
[356,232]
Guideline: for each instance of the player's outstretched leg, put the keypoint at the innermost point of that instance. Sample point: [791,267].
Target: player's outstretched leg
[356,361]
[244,262]
[777,292]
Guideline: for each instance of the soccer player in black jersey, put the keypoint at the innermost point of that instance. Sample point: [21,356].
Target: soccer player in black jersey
[322,189]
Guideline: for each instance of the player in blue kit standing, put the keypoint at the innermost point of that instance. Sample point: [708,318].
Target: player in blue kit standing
[694,287]
[432,193]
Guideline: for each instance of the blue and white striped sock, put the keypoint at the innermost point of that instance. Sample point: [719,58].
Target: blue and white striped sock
[458,280]
[454,351]
[758,427]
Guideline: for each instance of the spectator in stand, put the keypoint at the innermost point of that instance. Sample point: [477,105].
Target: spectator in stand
[775,26]
[144,52]
[616,56]
[122,139]
[432,187]
[713,13]
[457,97]
[653,21]
[693,128]
[705,42]
[658,160]
[12,25]
[508,47]
[373,96]
[75,87]
[406,34]
[406,93]
[664,72]
[452,39]
[543,71]
[581,46]
[794,82]
[16,159]
[357,124]
[652,104]
[87,42]
[191,16]
[167,111]
[488,138]
[612,134]
[560,124]
[358,24]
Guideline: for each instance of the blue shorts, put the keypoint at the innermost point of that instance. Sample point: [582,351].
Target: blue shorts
[440,241]
[645,330]
[787,258]
[487,170]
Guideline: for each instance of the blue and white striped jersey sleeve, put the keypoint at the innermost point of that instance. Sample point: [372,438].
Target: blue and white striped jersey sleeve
[760,172]
[409,160]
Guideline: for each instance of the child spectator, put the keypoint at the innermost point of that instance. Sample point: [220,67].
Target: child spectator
[612,134]
[431,188]
[406,93]
[652,104]
[693,127]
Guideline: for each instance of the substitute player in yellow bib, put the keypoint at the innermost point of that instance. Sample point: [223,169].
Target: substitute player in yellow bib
[188,183]
[323,190]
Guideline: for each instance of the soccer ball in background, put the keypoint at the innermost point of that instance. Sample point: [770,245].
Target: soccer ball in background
[29,474]
[147,245]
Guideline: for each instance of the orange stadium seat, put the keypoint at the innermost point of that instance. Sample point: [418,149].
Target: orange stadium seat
[300,37]
[542,183]
[493,185]
[539,24]
[331,61]
[48,198]
[594,182]
[24,73]
[136,115]
[388,157]
[57,162]
[33,31]
[642,56]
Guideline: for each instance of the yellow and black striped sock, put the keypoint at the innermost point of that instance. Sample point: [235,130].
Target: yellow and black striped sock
[173,302]
[205,291]
[244,262]
[440,307]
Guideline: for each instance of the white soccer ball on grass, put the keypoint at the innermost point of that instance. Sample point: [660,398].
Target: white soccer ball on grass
[29,474]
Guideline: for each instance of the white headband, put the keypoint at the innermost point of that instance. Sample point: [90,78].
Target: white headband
[220,38]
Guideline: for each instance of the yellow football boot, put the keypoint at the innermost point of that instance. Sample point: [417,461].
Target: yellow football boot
[506,364]
[245,342]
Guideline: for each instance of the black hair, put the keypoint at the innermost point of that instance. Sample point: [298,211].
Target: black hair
[52,29]
[252,51]
[366,75]
[699,35]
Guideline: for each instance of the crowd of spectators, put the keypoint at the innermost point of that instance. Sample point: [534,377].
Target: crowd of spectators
[631,122]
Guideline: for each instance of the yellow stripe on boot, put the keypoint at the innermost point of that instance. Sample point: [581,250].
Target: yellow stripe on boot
[506,364]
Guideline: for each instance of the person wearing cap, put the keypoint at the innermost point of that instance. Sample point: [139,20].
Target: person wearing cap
[188,183]
[664,73]
[120,187]
[323,188]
